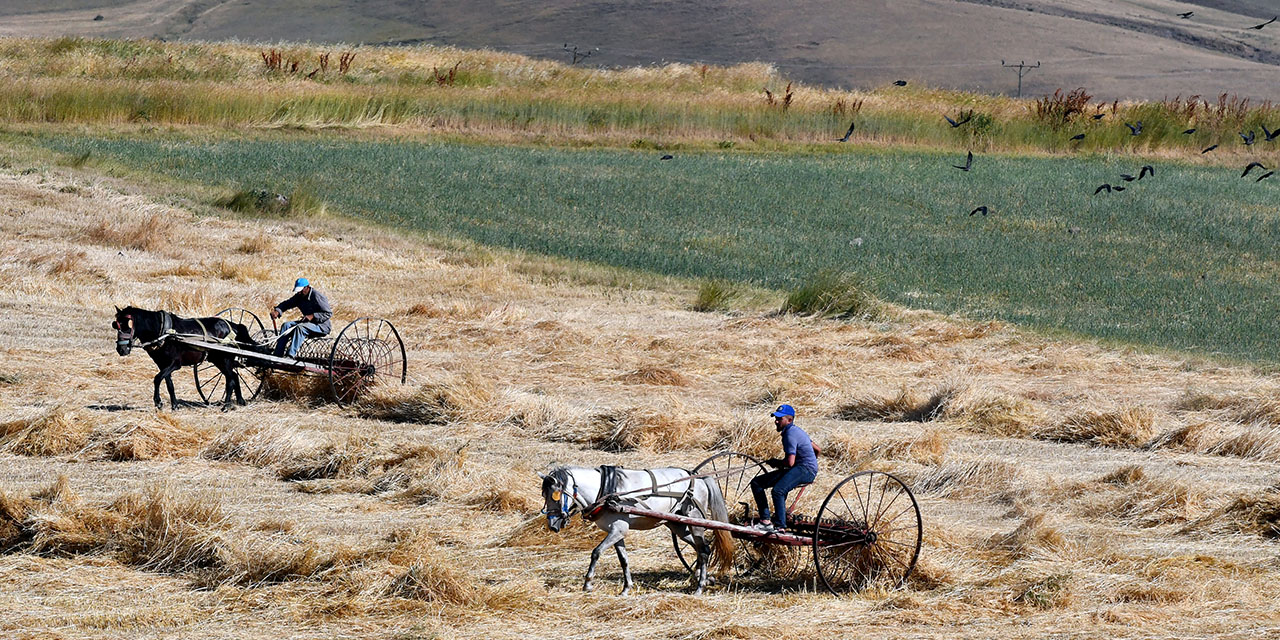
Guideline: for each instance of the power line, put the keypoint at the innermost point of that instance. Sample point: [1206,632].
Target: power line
[1023,68]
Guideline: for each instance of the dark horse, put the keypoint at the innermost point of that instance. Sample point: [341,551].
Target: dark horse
[149,329]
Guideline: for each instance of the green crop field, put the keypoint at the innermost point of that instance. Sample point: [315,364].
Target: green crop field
[1185,259]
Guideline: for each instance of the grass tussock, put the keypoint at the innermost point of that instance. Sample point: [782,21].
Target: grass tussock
[151,437]
[256,244]
[907,405]
[662,376]
[834,294]
[1125,428]
[54,432]
[303,201]
[152,233]
[716,295]
[1049,592]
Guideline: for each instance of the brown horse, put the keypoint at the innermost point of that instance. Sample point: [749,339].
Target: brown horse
[152,330]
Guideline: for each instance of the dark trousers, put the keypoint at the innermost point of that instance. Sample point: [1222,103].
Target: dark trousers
[782,481]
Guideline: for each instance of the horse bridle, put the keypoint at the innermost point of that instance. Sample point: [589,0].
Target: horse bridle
[124,335]
[569,503]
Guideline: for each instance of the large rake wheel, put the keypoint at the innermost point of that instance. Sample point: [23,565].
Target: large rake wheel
[868,532]
[734,472]
[209,380]
[366,353]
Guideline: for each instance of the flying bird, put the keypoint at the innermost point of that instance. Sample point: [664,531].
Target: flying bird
[1127,178]
[1269,135]
[666,157]
[1260,26]
[1189,131]
[1248,140]
[848,133]
[1105,187]
[1209,148]
[1078,136]
[1146,170]
[955,124]
[982,210]
[1264,176]
[968,163]
[1250,167]
[1118,188]
[1134,129]
[1186,15]
[899,83]
[1099,116]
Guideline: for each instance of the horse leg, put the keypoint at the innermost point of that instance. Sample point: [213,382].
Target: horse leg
[686,536]
[164,374]
[615,534]
[229,375]
[704,554]
[621,548]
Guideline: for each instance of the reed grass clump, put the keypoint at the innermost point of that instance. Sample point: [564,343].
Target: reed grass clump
[834,294]
[716,294]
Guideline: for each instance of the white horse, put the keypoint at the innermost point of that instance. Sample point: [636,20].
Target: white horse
[569,490]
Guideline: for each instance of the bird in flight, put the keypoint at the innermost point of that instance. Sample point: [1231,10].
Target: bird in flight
[899,83]
[1105,187]
[666,157]
[1146,170]
[1248,140]
[1250,167]
[968,163]
[847,133]
[1189,131]
[1099,116]
[982,210]
[1260,26]
[1187,15]
[1078,136]
[955,124]
[1127,178]
[1269,135]
[1134,129]
[1264,176]
[1118,188]
[1209,148]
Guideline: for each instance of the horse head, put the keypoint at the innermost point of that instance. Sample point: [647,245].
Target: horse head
[125,327]
[558,487]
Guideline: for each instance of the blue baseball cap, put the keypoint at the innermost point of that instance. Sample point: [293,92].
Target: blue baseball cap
[300,283]
[784,410]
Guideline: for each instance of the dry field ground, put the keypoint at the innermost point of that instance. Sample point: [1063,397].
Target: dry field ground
[1068,490]
[1117,48]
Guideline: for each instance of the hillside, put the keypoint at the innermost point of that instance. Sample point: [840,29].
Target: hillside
[1066,488]
[1118,49]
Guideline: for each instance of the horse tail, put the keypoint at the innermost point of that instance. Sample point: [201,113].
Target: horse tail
[722,541]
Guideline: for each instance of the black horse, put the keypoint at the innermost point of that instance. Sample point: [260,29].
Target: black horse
[150,328]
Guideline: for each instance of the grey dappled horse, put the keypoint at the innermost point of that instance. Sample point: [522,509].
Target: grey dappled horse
[568,490]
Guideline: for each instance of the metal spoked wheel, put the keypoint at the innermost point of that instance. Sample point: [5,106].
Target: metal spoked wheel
[734,472]
[367,352]
[209,380]
[868,532]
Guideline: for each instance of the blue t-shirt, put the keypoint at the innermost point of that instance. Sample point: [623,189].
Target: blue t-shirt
[796,441]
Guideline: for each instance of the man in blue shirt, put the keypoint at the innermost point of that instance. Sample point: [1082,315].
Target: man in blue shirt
[799,465]
[316,312]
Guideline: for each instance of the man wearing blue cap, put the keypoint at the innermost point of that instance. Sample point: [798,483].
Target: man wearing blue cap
[315,311]
[799,465]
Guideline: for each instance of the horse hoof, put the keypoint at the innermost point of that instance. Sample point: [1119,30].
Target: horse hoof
[227,407]
[586,588]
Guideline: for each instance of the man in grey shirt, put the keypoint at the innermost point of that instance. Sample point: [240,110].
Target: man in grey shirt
[315,311]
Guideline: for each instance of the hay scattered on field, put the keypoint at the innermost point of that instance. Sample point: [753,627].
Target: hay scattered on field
[1130,427]
[1034,533]
[971,477]
[1255,514]
[153,436]
[1243,408]
[53,432]
[262,444]
[658,431]
[655,376]
[994,414]
[748,433]
[432,403]
[576,534]
[306,390]
[154,232]
[907,405]
[1149,500]
[1251,442]
[854,452]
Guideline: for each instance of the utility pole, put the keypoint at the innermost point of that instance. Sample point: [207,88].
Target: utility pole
[578,57]
[1022,68]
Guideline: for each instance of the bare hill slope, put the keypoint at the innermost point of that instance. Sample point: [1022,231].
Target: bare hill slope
[1119,49]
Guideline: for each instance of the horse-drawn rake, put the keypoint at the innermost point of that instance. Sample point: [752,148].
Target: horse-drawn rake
[867,532]
[366,353]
